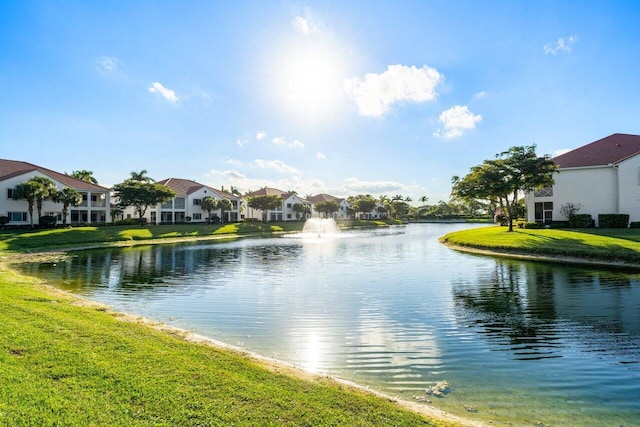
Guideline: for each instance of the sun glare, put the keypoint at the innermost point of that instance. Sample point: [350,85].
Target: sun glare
[309,80]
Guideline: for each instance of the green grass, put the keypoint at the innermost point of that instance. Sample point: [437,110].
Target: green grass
[61,238]
[62,363]
[600,244]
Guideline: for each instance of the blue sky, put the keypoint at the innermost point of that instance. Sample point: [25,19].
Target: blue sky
[340,97]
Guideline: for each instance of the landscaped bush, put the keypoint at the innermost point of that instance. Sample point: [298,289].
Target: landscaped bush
[613,220]
[634,224]
[530,225]
[580,221]
[4,220]
[130,221]
[48,221]
[559,224]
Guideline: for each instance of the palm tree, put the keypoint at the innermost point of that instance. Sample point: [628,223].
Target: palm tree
[26,191]
[68,197]
[224,205]
[84,175]
[424,200]
[141,176]
[45,189]
[209,204]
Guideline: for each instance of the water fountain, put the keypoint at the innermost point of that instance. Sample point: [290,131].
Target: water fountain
[320,227]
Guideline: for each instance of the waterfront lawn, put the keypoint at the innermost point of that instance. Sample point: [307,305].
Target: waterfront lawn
[25,240]
[72,364]
[595,243]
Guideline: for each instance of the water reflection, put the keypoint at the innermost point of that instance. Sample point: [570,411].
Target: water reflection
[537,310]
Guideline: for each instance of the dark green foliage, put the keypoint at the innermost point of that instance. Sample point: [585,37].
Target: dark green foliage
[4,220]
[613,220]
[130,221]
[580,221]
[48,221]
[634,224]
[559,224]
[529,225]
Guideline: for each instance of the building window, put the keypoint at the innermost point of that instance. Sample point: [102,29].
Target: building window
[197,202]
[543,192]
[10,193]
[197,217]
[544,212]
[179,203]
[288,216]
[17,216]
[288,205]
[167,205]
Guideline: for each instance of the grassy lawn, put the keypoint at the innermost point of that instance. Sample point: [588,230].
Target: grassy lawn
[59,238]
[595,243]
[65,363]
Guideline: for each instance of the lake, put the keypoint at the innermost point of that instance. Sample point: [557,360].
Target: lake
[519,343]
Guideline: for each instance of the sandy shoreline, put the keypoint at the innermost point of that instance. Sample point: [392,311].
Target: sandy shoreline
[271,364]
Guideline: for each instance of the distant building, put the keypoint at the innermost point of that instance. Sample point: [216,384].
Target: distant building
[344,205]
[95,207]
[285,212]
[188,204]
[603,177]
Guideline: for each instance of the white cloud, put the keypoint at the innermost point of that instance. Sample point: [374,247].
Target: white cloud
[303,25]
[166,93]
[244,183]
[377,92]
[478,96]
[563,45]
[276,165]
[280,140]
[456,120]
[241,142]
[320,156]
[261,135]
[354,185]
[107,64]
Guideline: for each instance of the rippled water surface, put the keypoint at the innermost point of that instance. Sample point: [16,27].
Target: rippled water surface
[524,343]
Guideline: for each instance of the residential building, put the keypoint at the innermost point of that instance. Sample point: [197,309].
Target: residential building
[285,212]
[186,206]
[602,177]
[344,205]
[94,208]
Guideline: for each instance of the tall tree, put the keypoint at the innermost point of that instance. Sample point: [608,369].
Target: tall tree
[141,176]
[224,205]
[363,204]
[84,175]
[505,178]
[265,204]
[327,207]
[141,195]
[209,204]
[45,189]
[26,191]
[300,209]
[68,197]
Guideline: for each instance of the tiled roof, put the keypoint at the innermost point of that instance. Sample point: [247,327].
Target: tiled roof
[324,198]
[13,168]
[606,151]
[184,187]
[266,191]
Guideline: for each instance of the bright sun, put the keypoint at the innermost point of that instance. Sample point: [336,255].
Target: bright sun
[309,80]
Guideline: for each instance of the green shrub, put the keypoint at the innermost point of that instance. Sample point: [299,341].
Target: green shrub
[580,221]
[4,220]
[529,225]
[613,220]
[130,221]
[559,224]
[48,221]
[634,224]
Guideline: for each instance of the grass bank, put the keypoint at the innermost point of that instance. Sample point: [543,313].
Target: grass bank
[615,246]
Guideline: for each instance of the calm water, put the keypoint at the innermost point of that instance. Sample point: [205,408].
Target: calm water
[525,343]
